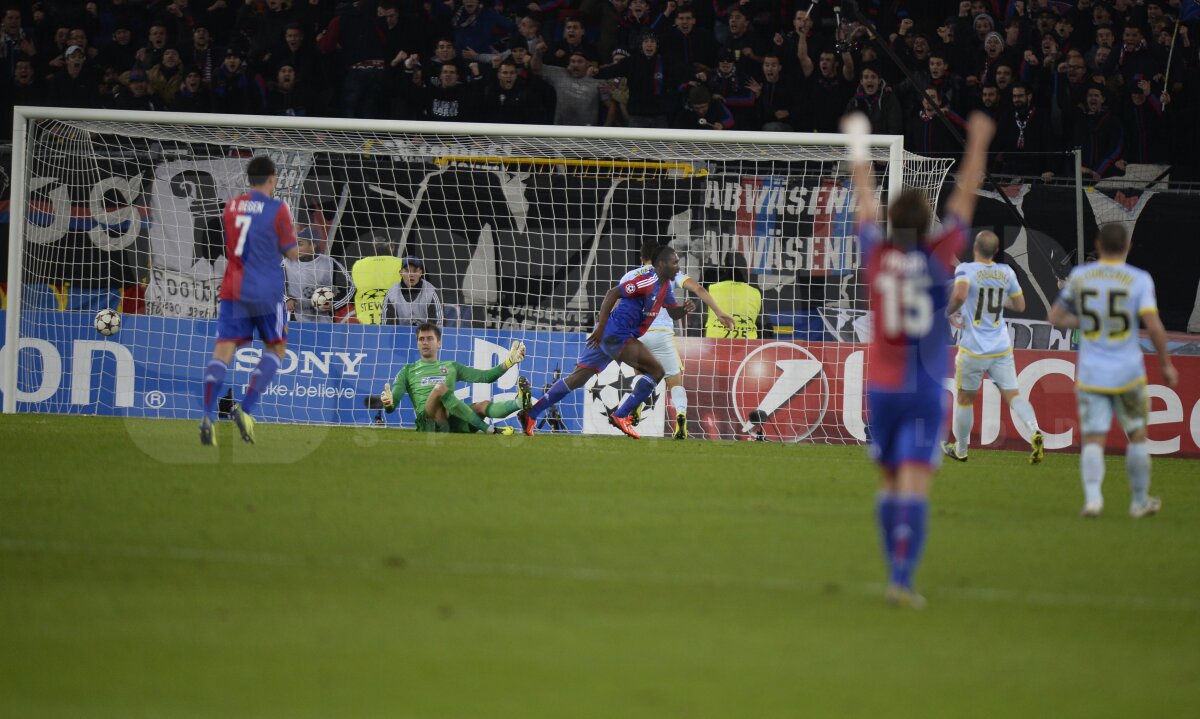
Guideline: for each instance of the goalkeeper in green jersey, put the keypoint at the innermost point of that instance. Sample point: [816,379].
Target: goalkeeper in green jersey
[429,383]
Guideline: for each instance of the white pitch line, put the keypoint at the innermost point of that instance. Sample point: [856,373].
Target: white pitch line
[366,564]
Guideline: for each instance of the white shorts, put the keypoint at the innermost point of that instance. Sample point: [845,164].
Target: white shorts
[969,369]
[662,344]
[1096,410]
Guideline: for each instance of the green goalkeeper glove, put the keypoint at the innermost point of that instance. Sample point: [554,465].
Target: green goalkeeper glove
[515,354]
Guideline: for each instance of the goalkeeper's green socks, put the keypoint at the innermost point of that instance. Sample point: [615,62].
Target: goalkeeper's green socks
[503,408]
[457,408]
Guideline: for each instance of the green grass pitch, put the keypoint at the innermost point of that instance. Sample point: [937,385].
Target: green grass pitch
[385,573]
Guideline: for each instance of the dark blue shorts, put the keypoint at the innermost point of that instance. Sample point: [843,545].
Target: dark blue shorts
[907,427]
[237,321]
[597,358]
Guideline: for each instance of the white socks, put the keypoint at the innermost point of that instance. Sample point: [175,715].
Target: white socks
[1091,464]
[964,418]
[1137,462]
[679,399]
[1023,411]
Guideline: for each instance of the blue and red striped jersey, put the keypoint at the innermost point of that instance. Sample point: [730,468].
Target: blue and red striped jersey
[643,296]
[258,231]
[908,298]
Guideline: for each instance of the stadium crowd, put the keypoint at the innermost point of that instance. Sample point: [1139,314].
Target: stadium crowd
[1054,74]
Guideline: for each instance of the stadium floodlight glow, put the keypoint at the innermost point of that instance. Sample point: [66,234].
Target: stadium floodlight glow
[521,230]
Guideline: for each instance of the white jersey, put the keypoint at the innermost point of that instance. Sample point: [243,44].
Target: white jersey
[663,321]
[985,333]
[1109,298]
[303,277]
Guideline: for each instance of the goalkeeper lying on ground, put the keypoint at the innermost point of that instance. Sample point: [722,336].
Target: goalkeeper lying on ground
[429,383]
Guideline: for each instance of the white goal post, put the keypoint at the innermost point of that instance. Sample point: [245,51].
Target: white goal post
[520,231]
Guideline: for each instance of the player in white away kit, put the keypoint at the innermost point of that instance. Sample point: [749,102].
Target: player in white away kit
[660,338]
[1108,301]
[982,290]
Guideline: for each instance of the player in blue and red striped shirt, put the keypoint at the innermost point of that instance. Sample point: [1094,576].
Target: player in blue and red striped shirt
[258,231]
[907,360]
[627,312]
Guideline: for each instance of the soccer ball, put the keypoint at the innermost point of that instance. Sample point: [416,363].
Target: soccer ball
[321,297]
[107,322]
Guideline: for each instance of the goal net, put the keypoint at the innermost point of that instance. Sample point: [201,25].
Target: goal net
[519,232]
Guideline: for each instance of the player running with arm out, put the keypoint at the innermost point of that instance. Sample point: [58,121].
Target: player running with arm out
[908,274]
[660,338]
[627,312]
[982,290]
[258,230]
[1108,301]
[429,383]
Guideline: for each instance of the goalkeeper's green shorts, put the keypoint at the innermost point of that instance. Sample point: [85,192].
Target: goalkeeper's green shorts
[457,426]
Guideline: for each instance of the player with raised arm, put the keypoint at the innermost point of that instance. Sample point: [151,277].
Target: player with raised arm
[628,311]
[258,230]
[983,289]
[1108,301]
[908,274]
[660,338]
[429,383]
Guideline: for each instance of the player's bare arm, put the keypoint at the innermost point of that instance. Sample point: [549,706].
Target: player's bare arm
[606,308]
[694,287]
[1158,335]
[1015,303]
[857,127]
[1063,318]
[958,297]
[680,311]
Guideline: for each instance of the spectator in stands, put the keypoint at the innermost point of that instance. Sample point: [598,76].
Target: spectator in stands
[53,54]
[703,112]
[1139,58]
[508,98]
[727,85]
[235,88]
[827,91]
[294,49]
[1098,133]
[444,53]
[276,17]
[1145,131]
[576,89]
[288,94]
[193,95]
[307,273]
[448,101]
[203,55]
[75,84]
[689,46]
[412,300]
[26,89]
[926,132]
[120,54]
[774,98]
[166,77]
[572,42]
[745,43]
[731,290]
[1023,137]
[15,40]
[356,31]
[156,43]
[653,83]
[135,94]
[79,36]
[989,100]
[877,101]
[475,27]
